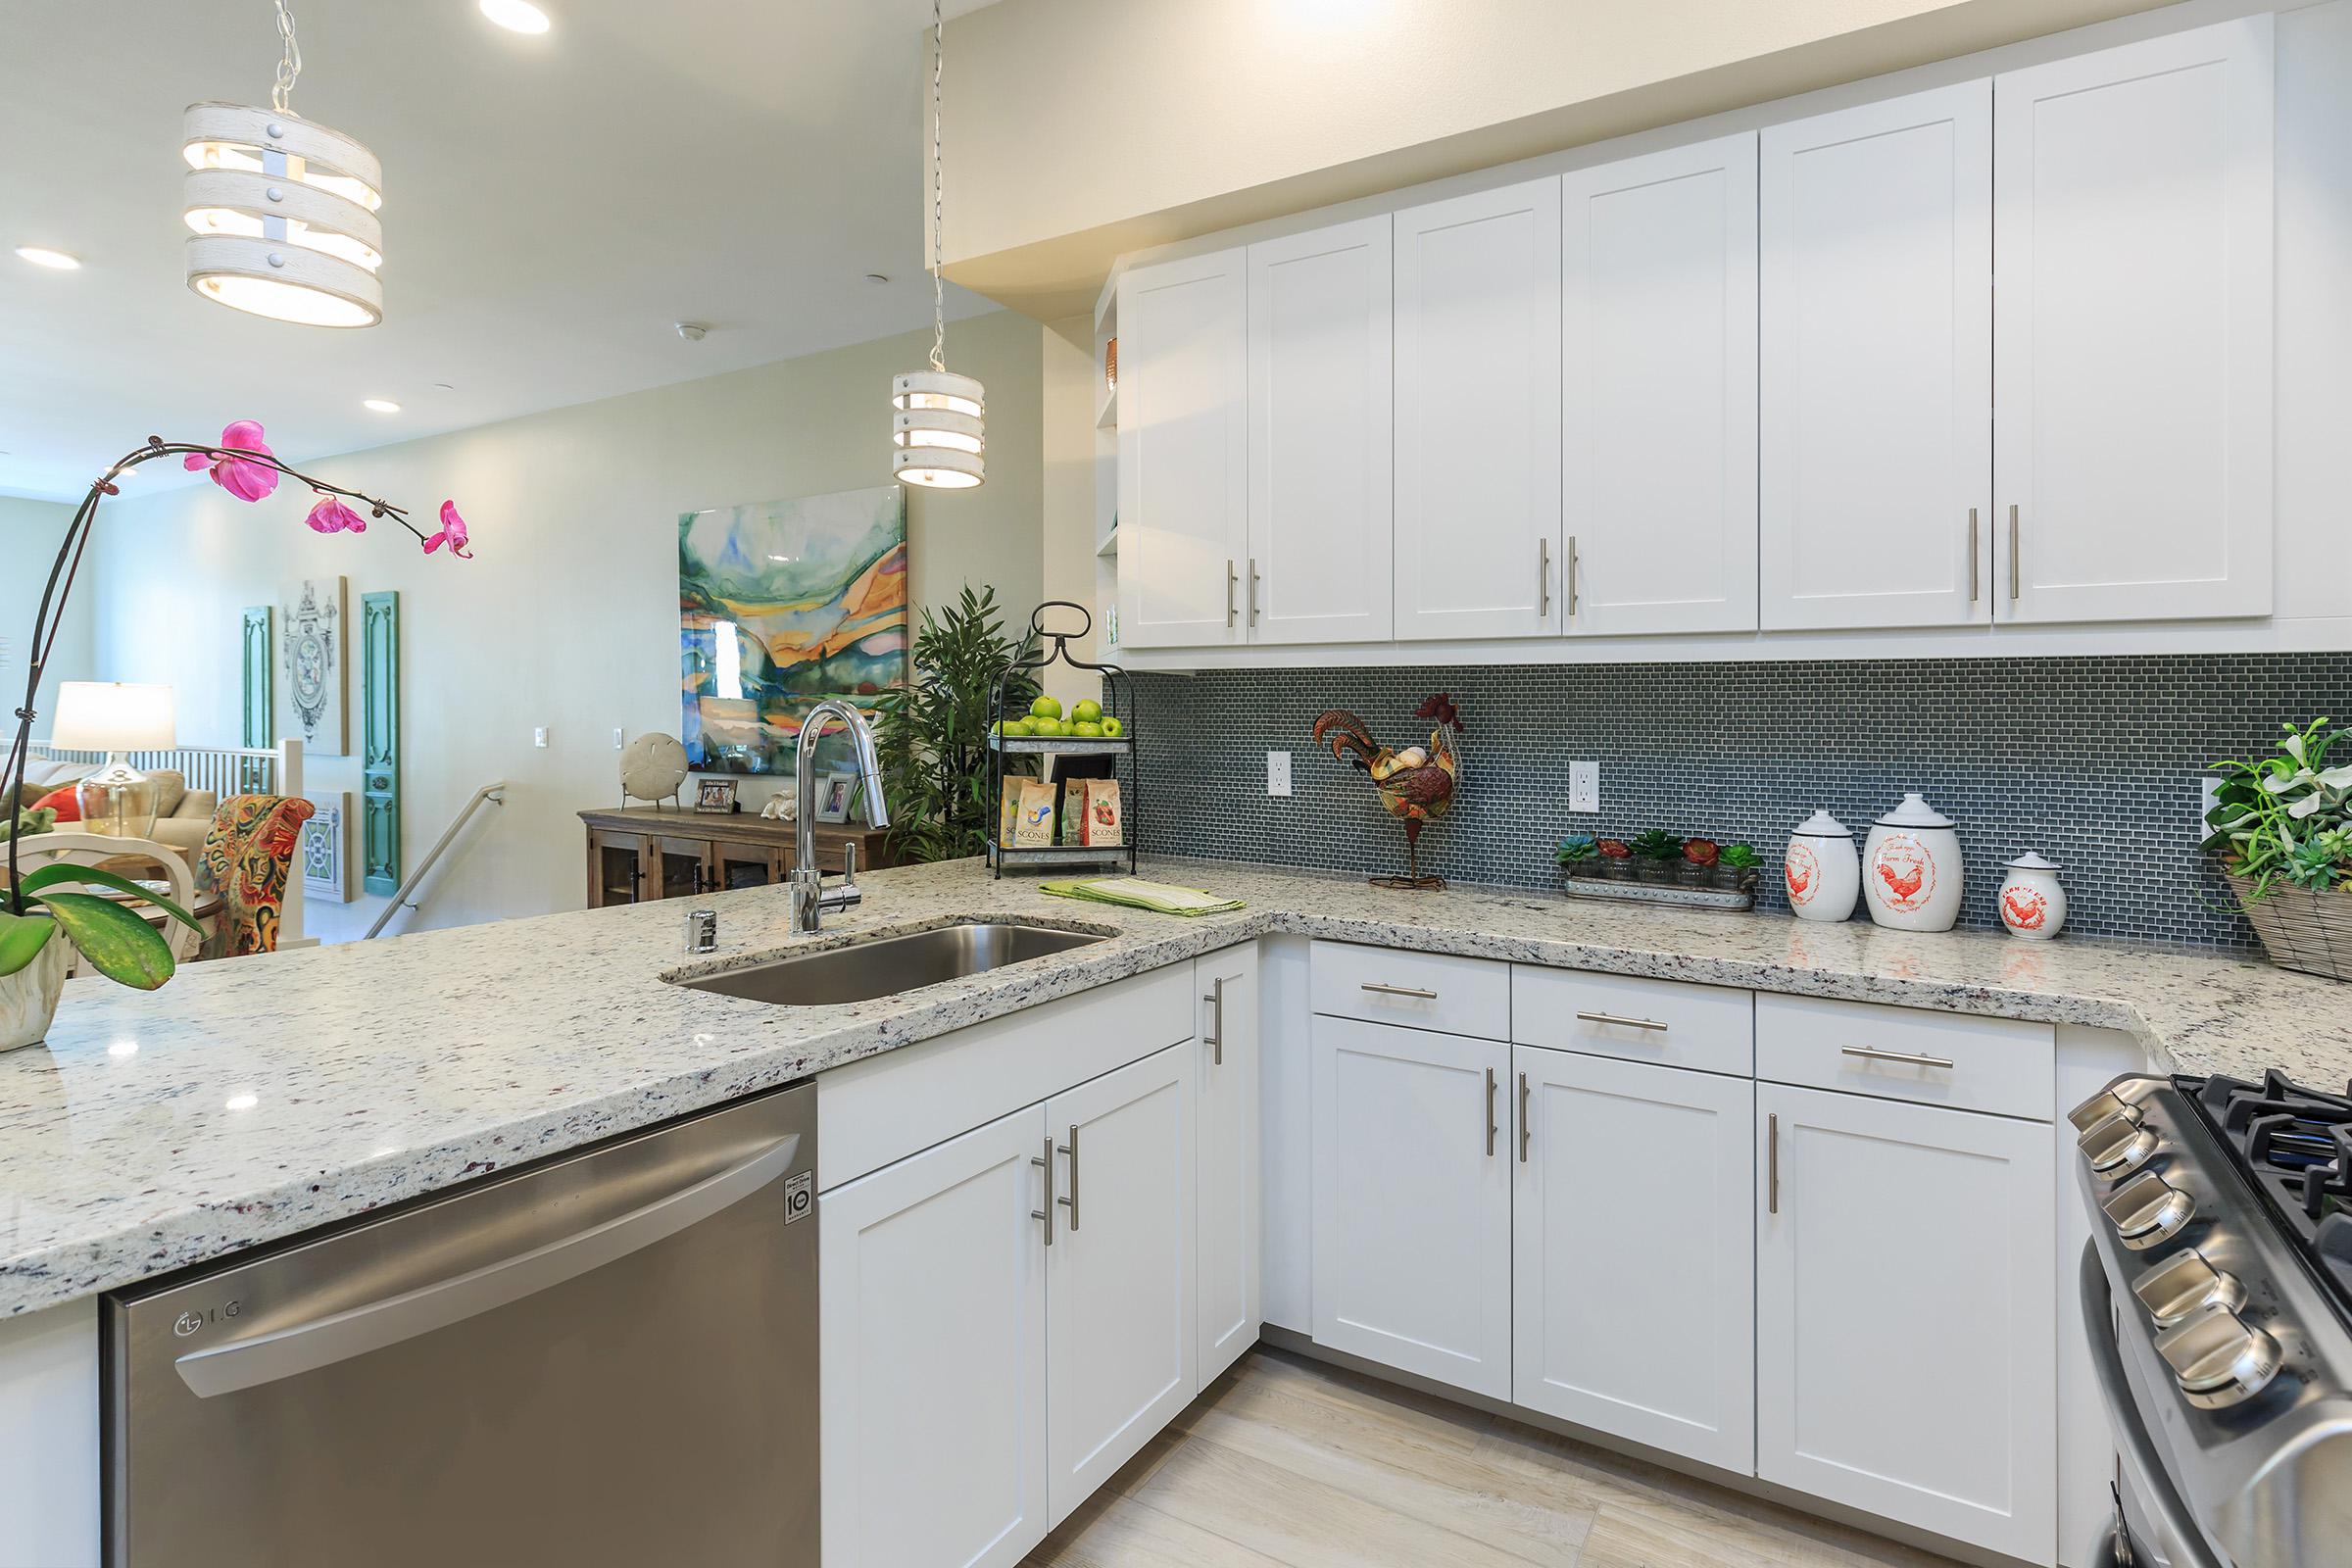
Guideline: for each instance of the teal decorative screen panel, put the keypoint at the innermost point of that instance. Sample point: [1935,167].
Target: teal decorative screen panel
[379,741]
[261,695]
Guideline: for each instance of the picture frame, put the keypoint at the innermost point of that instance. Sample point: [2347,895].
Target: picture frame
[323,850]
[714,794]
[834,794]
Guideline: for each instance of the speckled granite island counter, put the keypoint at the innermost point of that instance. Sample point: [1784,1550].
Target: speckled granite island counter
[251,1101]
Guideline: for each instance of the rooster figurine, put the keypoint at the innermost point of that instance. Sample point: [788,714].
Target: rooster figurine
[1416,785]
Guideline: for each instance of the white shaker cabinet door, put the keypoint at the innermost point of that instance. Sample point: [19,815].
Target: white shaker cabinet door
[1121,1359]
[1635,1270]
[1226,1178]
[1478,415]
[1183,509]
[1877,406]
[1321,467]
[1413,1201]
[1906,1315]
[933,1311]
[2134,330]
[1658,321]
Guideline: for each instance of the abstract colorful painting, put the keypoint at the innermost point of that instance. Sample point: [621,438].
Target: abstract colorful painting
[780,604]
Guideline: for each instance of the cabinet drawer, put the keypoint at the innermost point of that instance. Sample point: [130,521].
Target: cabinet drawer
[1994,1064]
[1420,990]
[1671,1022]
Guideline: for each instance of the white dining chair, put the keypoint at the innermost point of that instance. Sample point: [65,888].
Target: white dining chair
[95,849]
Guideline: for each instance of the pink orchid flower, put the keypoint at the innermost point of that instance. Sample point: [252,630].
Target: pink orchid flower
[452,534]
[331,515]
[241,478]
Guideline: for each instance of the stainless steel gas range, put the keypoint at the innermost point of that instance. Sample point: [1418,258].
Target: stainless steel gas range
[2216,1293]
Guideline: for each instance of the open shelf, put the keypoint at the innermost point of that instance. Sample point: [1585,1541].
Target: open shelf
[1107,417]
[1057,855]
[1061,745]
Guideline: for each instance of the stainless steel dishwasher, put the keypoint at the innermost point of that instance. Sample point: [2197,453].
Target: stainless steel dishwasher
[606,1359]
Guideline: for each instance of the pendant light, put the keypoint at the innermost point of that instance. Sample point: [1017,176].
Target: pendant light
[937,429]
[281,211]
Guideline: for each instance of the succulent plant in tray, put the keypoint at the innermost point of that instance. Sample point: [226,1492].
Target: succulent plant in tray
[1658,851]
[1735,868]
[1616,857]
[1580,857]
[1697,867]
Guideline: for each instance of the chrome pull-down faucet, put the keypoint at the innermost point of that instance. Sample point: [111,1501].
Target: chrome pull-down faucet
[810,898]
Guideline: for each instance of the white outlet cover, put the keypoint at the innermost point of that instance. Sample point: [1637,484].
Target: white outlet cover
[1584,785]
[1278,773]
[539,736]
[616,741]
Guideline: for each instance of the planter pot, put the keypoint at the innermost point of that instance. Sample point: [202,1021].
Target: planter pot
[1584,870]
[1616,870]
[2300,929]
[1658,873]
[1690,874]
[1727,878]
[29,998]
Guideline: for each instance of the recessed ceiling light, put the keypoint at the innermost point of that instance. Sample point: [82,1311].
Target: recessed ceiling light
[380,405]
[43,256]
[515,16]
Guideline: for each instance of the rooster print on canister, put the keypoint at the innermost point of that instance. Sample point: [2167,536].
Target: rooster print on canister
[1416,785]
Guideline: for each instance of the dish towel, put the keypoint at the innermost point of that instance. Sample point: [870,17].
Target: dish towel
[1134,893]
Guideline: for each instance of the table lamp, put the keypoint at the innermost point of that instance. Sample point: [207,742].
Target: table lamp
[115,718]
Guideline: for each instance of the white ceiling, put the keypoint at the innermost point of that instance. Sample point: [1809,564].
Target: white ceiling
[553,205]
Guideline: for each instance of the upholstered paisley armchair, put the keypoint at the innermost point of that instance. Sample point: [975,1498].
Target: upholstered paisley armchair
[247,858]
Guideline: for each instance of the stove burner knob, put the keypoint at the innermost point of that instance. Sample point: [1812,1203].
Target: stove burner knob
[2104,1105]
[2184,1285]
[2148,1210]
[2218,1359]
[2117,1146]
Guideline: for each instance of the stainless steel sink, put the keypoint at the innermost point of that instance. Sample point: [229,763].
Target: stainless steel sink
[884,966]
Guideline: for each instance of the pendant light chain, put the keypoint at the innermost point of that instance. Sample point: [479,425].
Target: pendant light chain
[289,64]
[939,296]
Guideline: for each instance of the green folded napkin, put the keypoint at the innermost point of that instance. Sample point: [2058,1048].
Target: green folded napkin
[1134,893]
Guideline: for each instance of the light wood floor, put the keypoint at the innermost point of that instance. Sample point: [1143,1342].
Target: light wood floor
[1288,1463]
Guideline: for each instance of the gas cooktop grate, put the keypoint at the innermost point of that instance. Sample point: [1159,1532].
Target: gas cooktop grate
[2295,1144]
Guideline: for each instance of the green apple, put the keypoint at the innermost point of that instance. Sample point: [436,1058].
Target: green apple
[1087,731]
[1086,711]
[1019,726]
[1112,728]
[1045,707]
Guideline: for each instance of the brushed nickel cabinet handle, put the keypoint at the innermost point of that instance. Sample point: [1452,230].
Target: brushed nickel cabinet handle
[1071,1203]
[1400,991]
[2015,576]
[1972,585]
[1525,1131]
[1622,1021]
[1491,1129]
[1216,999]
[1230,581]
[1903,1056]
[1253,592]
[1568,576]
[1543,578]
[1772,1163]
[1045,1214]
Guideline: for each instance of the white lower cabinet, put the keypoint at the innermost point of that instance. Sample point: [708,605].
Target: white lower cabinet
[932,1303]
[1225,1181]
[1635,1256]
[1412,1206]
[1121,1359]
[1906,1327]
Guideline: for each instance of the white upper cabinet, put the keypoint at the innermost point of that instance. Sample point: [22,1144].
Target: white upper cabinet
[2134,330]
[1877,407]
[1478,415]
[1183,435]
[1319,559]
[1658,322]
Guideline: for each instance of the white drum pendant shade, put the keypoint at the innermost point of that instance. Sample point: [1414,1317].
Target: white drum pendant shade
[937,429]
[283,217]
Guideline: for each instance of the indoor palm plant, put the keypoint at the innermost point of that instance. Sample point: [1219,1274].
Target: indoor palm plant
[934,730]
[2282,826]
[43,912]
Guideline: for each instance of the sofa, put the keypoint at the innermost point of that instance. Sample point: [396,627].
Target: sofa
[183,816]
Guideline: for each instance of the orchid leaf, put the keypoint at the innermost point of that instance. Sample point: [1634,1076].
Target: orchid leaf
[21,937]
[119,946]
[90,875]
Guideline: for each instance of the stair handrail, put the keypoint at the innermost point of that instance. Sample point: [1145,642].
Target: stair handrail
[401,900]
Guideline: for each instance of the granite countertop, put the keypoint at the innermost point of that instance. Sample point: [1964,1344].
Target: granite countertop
[254,1099]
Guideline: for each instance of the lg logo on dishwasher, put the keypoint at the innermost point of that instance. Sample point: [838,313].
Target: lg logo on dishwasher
[188,1323]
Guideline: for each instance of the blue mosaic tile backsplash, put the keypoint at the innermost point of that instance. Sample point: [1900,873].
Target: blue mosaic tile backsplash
[2096,762]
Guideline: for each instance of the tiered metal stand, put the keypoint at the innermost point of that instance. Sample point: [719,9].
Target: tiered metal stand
[1073,757]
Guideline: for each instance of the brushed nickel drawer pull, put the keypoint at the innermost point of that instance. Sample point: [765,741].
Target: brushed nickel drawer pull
[1903,1056]
[1491,1129]
[1045,1214]
[1230,581]
[1071,1203]
[1216,999]
[1772,1163]
[1525,1132]
[1253,591]
[2014,573]
[1543,578]
[1973,587]
[1399,991]
[1621,1022]
[1568,576]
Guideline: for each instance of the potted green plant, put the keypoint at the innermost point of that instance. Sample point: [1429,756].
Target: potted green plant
[933,738]
[1580,857]
[1616,859]
[1657,852]
[2283,828]
[1699,856]
[1735,868]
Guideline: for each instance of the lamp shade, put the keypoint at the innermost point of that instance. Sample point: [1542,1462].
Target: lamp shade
[105,715]
[281,213]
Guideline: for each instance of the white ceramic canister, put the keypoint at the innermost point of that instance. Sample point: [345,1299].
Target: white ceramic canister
[1820,870]
[2032,899]
[1912,873]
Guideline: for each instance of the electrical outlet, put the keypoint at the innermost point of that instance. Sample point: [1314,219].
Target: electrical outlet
[616,741]
[1584,785]
[1278,772]
[2207,794]
[539,736]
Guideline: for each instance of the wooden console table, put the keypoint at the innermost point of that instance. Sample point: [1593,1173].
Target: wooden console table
[638,852]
